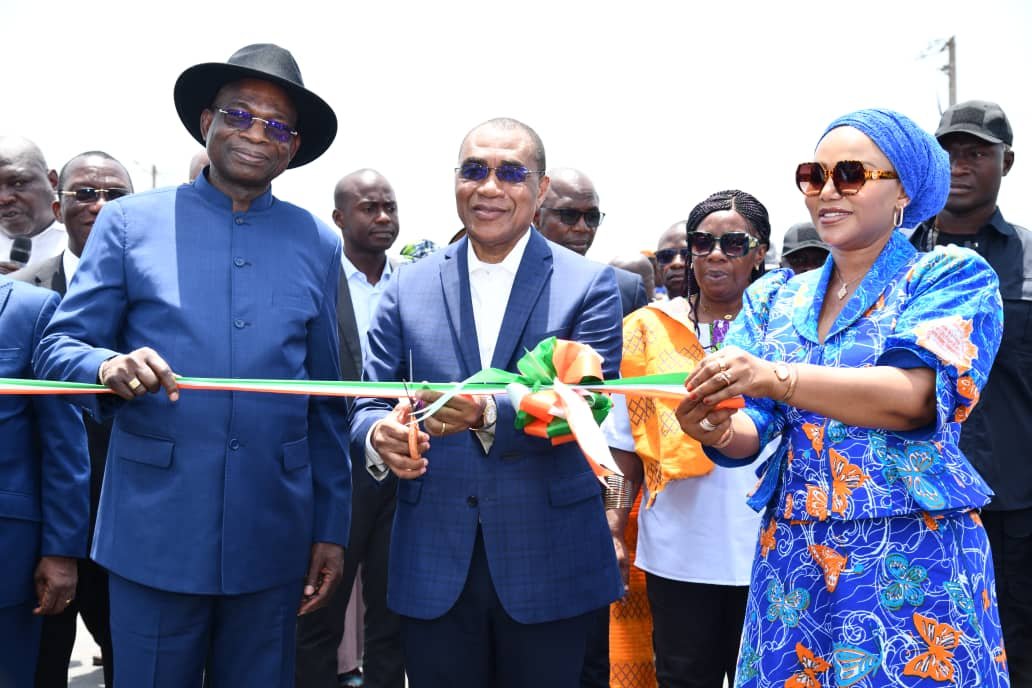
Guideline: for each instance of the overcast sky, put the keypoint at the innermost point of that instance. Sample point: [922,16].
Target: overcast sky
[661,103]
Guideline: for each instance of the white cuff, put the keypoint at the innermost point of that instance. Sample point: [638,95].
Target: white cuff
[373,463]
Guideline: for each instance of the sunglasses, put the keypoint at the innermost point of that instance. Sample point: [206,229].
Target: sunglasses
[732,244]
[508,172]
[91,195]
[242,120]
[848,176]
[571,216]
[665,256]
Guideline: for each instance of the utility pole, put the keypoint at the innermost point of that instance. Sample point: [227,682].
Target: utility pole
[154,168]
[951,68]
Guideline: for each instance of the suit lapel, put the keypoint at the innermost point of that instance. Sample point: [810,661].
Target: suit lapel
[533,274]
[459,304]
[347,327]
[5,294]
[59,282]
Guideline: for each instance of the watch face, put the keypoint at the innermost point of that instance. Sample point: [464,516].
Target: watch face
[781,371]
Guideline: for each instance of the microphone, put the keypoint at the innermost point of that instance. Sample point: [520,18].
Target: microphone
[21,250]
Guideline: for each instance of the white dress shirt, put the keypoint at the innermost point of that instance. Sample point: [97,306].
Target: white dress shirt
[364,296]
[47,244]
[490,285]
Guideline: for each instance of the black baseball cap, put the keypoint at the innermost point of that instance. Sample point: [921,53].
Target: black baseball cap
[800,236]
[979,118]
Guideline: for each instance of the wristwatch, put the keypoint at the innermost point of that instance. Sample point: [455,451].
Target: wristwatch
[490,416]
[782,372]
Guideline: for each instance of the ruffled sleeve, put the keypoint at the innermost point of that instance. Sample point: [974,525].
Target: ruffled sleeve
[952,321]
[748,332]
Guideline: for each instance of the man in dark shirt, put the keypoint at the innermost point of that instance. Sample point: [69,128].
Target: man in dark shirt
[997,435]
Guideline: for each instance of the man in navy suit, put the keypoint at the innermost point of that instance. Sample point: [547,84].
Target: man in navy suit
[569,216]
[220,512]
[86,183]
[44,489]
[500,549]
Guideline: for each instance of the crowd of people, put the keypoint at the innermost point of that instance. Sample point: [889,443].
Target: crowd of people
[838,497]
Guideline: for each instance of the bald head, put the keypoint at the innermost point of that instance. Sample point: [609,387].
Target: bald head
[27,188]
[197,164]
[366,212]
[569,214]
[639,265]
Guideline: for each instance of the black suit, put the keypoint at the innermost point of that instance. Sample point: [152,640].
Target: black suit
[372,514]
[91,594]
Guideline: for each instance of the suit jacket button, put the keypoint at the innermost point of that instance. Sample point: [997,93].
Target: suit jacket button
[239,262]
[239,324]
[234,444]
[472,501]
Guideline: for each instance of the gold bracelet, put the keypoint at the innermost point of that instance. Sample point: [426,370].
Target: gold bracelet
[792,380]
[726,438]
[618,492]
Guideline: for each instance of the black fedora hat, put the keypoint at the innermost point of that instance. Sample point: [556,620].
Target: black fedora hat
[196,88]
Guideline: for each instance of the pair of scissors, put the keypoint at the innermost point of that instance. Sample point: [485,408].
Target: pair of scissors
[413,423]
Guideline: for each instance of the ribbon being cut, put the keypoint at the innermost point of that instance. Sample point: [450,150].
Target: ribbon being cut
[559,393]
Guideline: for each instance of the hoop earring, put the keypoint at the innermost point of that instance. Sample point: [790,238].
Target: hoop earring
[897,216]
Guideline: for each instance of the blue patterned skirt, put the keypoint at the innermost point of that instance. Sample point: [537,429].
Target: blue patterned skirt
[902,601]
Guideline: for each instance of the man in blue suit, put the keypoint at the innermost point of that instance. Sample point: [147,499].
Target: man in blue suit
[500,548]
[44,489]
[219,511]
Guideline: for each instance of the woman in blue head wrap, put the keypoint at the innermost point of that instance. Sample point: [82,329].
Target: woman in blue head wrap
[872,566]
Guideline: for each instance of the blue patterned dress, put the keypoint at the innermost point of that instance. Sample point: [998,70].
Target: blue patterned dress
[872,567]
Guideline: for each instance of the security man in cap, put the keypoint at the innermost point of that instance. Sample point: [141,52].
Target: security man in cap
[997,435]
[802,249]
[222,514]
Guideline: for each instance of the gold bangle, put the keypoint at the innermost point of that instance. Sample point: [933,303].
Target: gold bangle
[618,492]
[726,438]
[792,380]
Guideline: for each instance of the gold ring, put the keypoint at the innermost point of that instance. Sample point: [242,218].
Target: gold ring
[726,378]
[722,363]
[706,425]
[68,601]
[134,383]
[444,426]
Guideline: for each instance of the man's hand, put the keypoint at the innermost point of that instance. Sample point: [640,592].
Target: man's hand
[399,444]
[55,580]
[325,568]
[8,266]
[137,373]
[461,413]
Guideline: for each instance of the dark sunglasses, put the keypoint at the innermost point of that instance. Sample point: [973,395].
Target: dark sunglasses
[848,176]
[732,244]
[91,195]
[571,216]
[242,120]
[664,256]
[508,172]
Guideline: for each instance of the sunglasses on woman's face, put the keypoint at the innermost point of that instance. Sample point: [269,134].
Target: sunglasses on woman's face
[732,244]
[848,176]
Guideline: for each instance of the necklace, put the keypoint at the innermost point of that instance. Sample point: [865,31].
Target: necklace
[843,290]
[718,327]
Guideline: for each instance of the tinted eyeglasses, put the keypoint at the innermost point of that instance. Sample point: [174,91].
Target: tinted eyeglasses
[665,256]
[90,195]
[732,244]
[571,216]
[848,176]
[508,172]
[242,120]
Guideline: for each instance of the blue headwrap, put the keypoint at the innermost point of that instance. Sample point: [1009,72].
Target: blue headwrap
[921,163]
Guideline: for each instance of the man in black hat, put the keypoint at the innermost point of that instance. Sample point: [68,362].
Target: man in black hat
[997,435]
[222,514]
[802,249]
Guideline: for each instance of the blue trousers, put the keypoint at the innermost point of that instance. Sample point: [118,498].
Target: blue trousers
[19,643]
[169,640]
[476,644]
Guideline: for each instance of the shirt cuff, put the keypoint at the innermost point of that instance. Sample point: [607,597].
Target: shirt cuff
[373,463]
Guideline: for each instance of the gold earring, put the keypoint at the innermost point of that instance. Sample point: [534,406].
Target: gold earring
[897,217]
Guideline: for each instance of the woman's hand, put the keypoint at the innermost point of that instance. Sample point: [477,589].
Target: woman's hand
[731,372]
